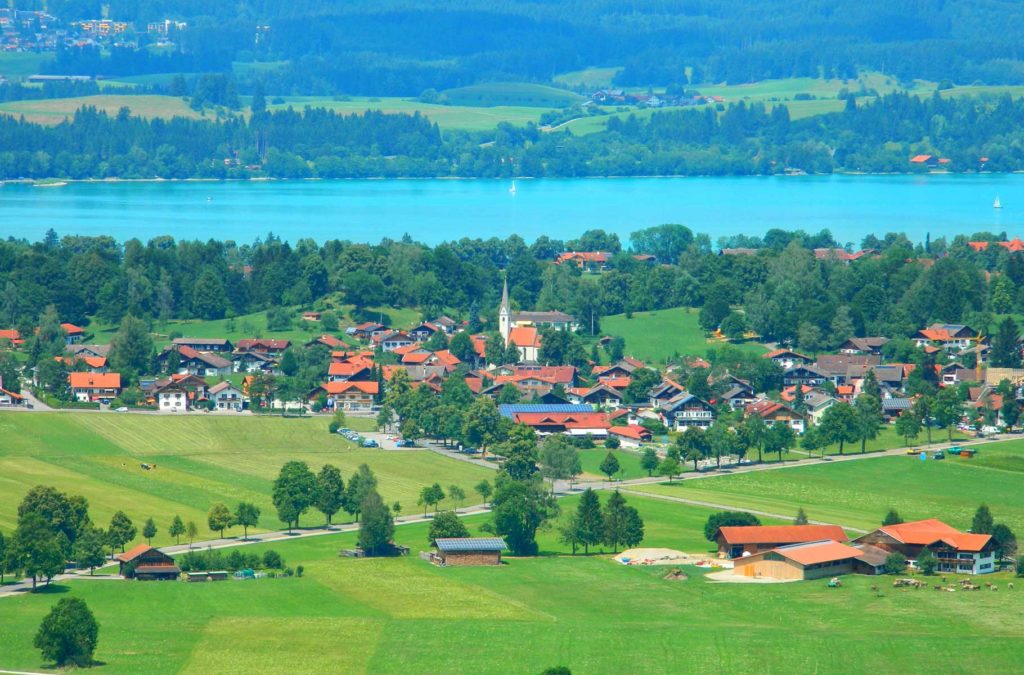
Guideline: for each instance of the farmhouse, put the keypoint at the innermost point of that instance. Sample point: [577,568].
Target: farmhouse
[955,551]
[594,261]
[73,334]
[12,337]
[950,337]
[864,345]
[192,362]
[204,344]
[227,396]
[685,411]
[272,347]
[9,398]
[735,541]
[811,560]
[347,395]
[772,412]
[467,551]
[91,387]
[787,358]
[146,563]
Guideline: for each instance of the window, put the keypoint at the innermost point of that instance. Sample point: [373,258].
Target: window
[986,566]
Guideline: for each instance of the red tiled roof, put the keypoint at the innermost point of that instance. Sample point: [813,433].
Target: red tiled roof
[779,352]
[524,336]
[345,369]
[577,420]
[780,534]
[132,554]
[634,431]
[416,357]
[330,341]
[583,257]
[925,532]
[342,387]
[447,358]
[95,380]
[616,382]
[261,343]
[920,159]
[819,552]
[72,329]
[10,334]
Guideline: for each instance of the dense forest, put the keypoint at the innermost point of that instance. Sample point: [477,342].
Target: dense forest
[875,137]
[788,293]
[397,47]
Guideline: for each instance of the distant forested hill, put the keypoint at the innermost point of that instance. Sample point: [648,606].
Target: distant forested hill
[401,47]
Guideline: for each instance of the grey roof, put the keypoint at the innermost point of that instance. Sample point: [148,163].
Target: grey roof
[543,317]
[466,544]
[199,341]
[510,409]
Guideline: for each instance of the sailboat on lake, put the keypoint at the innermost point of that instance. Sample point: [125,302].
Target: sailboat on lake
[512,190]
[997,204]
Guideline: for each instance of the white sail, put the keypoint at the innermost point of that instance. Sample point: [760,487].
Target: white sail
[997,204]
[513,188]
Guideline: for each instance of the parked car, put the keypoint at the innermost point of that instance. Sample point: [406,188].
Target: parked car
[370,443]
[406,444]
[940,455]
[121,409]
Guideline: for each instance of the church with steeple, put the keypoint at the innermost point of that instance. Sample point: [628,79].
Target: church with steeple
[522,329]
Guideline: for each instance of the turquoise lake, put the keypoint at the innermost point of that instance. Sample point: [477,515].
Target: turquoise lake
[438,210]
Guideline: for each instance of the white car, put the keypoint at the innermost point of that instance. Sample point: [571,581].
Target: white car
[121,409]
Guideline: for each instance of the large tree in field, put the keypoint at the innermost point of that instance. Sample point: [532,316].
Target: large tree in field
[247,515]
[220,518]
[949,410]
[839,425]
[89,549]
[518,509]
[362,483]
[68,634]
[378,526]
[559,458]
[36,548]
[588,520]
[869,420]
[727,518]
[622,523]
[121,531]
[330,491]
[446,525]
[131,348]
[294,492]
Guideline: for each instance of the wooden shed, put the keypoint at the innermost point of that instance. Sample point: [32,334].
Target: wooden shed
[464,551]
[812,560]
[737,540]
[146,563]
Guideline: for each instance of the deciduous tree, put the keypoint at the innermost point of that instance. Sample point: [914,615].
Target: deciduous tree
[247,515]
[219,518]
[68,634]
[330,491]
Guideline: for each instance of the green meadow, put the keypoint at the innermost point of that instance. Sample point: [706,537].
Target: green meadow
[590,614]
[200,460]
[657,335]
[56,110]
[629,463]
[858,493]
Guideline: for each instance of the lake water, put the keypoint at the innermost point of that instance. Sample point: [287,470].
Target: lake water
[437,210]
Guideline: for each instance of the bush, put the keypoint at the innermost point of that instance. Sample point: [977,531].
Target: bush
[727,518]
[299,570]
[333,426]
[272,560]
[612,442]
[896,563]
[926,562]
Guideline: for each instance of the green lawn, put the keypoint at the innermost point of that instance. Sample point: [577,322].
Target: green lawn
[858,493]
[56,110]
[199,460]
[514,94]
[889,439]
[19,65]
[657,335]
[472,117]
[591,78]
[587,613]
[629,463]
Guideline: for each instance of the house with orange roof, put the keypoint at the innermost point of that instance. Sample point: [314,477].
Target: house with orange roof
[799,562]
[787,358]
[348,396]
[328,341]
[925,160]
[947,336]
[347,370]
[9,398]
[572,423]
[12,337]
[94,364]
[955,551]
[771,412]
[632,432]
[74,334]
[735,541]
[95,387]
[527,340]
[422,332]
[593,261]
[600,395]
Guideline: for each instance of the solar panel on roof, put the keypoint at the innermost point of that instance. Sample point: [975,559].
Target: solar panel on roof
[470,544]
[510,409]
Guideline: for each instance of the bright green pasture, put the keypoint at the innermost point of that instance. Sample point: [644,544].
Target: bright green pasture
[200,460]
[858,493]
[18,65]
[587,613]
[629,463]
[592,78]
[657,335]
[56,110]
[471,117]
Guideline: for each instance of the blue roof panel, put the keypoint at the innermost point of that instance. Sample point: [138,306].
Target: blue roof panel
[510,409]
[464,544]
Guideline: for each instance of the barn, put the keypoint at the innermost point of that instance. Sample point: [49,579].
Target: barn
[466,551]
[795,562]
[146,563]
[737,540]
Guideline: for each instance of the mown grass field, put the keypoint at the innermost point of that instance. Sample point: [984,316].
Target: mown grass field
[200,460]
[587,613]
[592,78]
[657,335]
[512,93]
[18,65]
[629,463]
[469,117]
[56,110]
[858,493]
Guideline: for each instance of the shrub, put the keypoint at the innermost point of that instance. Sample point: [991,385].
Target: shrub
[272,560]
[926,562]
[299,570]
[896,563]
[333,426]
[612,442]
[1020,566]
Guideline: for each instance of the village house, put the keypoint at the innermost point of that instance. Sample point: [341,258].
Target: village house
[256,362]
[91,364]
[842,368]
[192,362]
[264,346]
[632,433]
[806,375]
[446,323]
[391,340]
[95,387]
[664,392]
[738,394]
[146,563]
[81,350]
[772,412]
[685,411]
[600,395]
[736,541]
[573,424]
[949,337]
[8,398]
[204,344]
[367,330]
[227,396]
[591,261]
[787,358]
[864,345]
[348,370]
[178,393]
[11,337]
[349,396]
[73,334]
[424,331]
[955,551]
[326,340]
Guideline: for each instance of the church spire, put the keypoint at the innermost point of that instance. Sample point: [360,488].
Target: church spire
[505,314]
[504,295]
